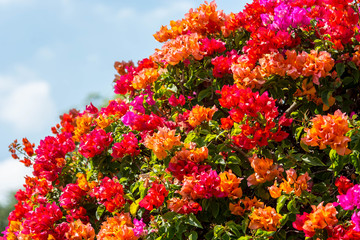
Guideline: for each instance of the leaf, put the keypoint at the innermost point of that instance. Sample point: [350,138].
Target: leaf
[99,211]
[169,216]
[355,161]
[340,69]
[204,94]
[190,137]
[313,161]
[236,169]
[325,95]
[210,137]
[215,209]
[281,202]
[234,228]
[292,206]
[304,146]
[134,207]
[192,220]
[193,236]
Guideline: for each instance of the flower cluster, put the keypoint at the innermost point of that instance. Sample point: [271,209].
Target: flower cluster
[128,146]
[110,193]
[94,143]
[155,197]
[320,218]
[329,130]
[255,115]
[291,184]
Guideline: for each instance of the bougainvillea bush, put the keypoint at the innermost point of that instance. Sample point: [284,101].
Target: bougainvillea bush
[241,126]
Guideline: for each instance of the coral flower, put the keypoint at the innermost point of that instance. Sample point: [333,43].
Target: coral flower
[264,218]
[79,231]
[119,227]
[329,130]
[162,141]
[199,114]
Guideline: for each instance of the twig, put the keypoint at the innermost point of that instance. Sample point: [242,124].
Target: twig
[292,108]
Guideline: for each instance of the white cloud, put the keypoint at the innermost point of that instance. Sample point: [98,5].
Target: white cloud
[12,175]
[25,101]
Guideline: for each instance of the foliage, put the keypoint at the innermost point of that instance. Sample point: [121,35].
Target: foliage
[242,126]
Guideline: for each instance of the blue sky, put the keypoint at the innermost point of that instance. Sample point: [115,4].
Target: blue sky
[54,54]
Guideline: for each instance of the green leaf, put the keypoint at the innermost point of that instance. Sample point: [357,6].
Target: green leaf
[193,236]
[281,202]
[325,95]
[215,209]
[192,220]
[304,146]
[169,216]
[355,161]
[340,69]
[191,135]
[99,211]
[292,206]
[234,228]
[204,94]
[210,137]
[236,169]
[313,161]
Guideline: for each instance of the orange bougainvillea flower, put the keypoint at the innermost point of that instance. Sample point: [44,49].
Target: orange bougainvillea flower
[79,231]
[230,184]
[83,183]
[179,49]
[264,218]
[145,77]
[191,153]
[329,130]
[318,64]
[203,20]
[320,218]
[245,204]
[83,124]
[162,141]
[264,169]
[119,227]
[291,184]
[199,114]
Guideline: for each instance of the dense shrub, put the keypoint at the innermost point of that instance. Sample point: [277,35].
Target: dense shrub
[242,126]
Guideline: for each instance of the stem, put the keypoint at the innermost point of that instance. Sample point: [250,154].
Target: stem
[292,108]
[239,150]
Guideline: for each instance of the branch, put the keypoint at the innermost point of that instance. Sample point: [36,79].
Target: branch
[292,108]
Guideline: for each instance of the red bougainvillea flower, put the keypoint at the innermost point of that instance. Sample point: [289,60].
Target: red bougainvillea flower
[94,143]
[155,197]
[110,193]
[343,184]
[329,130]
[183,206]
[71,196]
[128,146]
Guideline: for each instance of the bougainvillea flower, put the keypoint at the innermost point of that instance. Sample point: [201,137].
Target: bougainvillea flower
[343,184]
[162,141]
[329,130]
[155,197]
[264,218]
